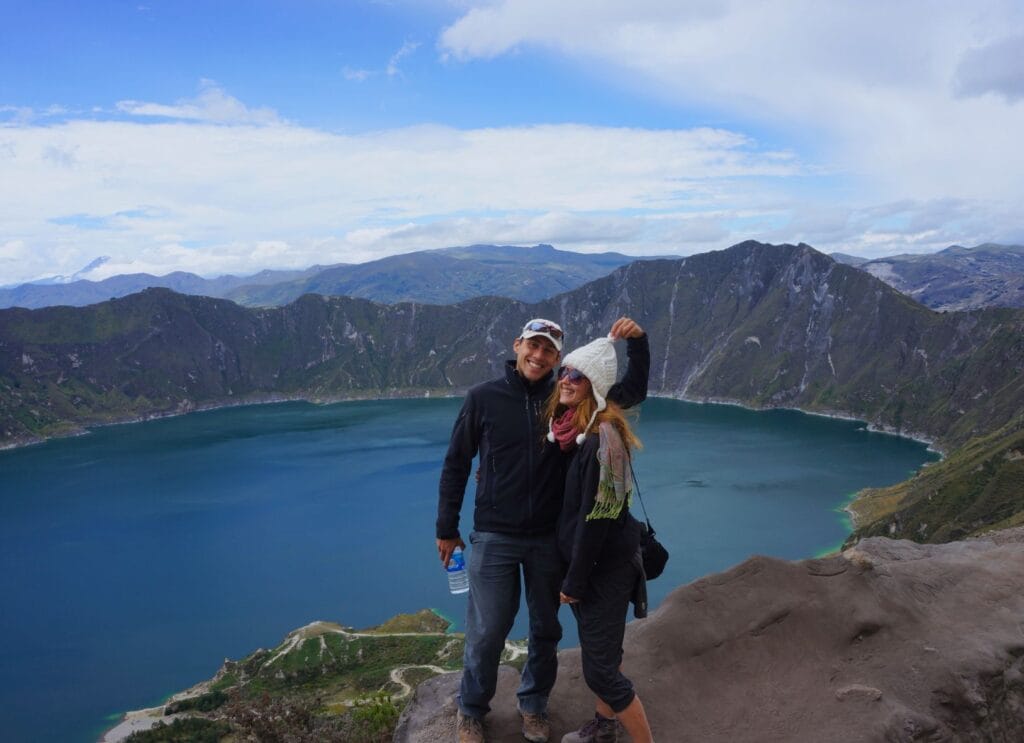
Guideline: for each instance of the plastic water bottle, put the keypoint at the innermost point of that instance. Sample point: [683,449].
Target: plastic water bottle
[458,581]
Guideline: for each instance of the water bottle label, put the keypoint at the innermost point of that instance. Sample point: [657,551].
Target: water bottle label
[456,563]
[458,580]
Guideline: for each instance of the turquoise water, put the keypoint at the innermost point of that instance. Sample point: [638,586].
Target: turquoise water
[135,559]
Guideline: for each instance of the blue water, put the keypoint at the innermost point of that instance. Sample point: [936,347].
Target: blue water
[135,559]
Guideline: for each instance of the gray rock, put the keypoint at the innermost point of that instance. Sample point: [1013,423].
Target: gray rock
[892,641]
[430,715]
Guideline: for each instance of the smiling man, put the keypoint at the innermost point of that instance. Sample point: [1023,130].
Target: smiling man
[518,499]
[520,484]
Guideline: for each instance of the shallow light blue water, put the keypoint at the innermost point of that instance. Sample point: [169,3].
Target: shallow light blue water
[134,559]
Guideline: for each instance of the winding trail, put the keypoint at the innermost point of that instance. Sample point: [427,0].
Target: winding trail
[397,675]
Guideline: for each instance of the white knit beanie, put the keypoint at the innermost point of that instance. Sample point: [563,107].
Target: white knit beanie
[598,362]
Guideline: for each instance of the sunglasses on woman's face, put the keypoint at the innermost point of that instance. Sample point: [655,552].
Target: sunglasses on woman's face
[572,376]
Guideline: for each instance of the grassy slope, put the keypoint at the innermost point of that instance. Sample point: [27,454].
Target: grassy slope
[977,488]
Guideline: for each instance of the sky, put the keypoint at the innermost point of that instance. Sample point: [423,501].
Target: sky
[231,137]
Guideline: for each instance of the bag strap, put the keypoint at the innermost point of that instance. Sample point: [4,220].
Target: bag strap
[636,484]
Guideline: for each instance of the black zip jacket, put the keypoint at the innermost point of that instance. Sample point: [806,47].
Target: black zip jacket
[590,548]
[593,547]
[522,475]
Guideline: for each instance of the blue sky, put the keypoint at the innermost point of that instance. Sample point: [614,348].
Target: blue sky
[235,136]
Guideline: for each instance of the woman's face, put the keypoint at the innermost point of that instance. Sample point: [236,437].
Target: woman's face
[571,392]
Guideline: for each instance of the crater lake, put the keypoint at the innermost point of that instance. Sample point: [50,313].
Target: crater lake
[134,559]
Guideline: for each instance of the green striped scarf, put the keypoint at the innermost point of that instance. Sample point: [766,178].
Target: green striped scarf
[615,483]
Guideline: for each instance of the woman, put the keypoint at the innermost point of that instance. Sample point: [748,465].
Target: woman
[597,536]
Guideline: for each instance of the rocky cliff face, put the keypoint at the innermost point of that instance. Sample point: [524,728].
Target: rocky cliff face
[957,278]
[761,325]
[773,326]
[891,641]
[758,324]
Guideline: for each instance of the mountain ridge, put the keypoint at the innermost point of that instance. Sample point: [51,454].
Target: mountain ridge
[957,278]
[760,325]
[765,326]
[440,276]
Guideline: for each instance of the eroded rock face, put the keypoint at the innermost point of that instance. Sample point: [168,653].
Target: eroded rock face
[430,716]
[892,641]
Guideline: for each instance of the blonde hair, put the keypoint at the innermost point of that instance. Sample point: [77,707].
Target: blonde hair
[581,417]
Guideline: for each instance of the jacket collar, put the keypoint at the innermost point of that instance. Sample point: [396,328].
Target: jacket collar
[512,377]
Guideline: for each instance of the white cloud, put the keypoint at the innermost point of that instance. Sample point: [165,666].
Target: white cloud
[407,48]
[873,89]
[995,68]
[13,250]
[392,69]
[16,115]
[357,76]
[221,190]
[212,104]
[210,197]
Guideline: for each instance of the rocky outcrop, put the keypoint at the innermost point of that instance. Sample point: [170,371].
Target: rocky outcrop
[890,641]
[956,278]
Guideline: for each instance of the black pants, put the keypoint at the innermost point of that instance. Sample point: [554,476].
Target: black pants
[601,617]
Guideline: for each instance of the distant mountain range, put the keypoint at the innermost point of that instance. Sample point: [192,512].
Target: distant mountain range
[762,325]
[955,278]
[431,276]
[81,292]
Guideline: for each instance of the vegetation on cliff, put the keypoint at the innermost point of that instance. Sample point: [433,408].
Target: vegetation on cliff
[979,487]
[324,682]
[761,325]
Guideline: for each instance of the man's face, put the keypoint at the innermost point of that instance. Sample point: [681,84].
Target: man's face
[535,357]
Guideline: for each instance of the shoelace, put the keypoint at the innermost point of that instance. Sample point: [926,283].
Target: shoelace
[592,726]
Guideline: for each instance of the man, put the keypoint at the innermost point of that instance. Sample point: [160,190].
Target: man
[520,482]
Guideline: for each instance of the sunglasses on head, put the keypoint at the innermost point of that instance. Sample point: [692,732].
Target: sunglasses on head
[537,326]
[570,375]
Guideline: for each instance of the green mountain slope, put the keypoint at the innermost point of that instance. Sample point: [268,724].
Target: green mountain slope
[761,325]
[977,488]
[325,681]
[447,276]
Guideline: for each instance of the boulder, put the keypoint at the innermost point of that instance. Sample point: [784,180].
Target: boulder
[890,641]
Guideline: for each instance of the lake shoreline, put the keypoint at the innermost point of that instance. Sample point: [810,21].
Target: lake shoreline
[409,394]
[187,407]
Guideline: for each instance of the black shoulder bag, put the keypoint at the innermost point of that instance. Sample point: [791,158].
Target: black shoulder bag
[652,552]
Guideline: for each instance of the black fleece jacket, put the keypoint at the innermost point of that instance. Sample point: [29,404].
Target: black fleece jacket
[592,547]
[522,475]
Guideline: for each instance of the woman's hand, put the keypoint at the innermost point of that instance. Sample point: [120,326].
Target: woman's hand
[567,599]
[625,327]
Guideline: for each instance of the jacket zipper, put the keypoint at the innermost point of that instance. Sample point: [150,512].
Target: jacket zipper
[529,457]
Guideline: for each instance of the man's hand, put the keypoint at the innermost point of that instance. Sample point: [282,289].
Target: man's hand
[445,548]
[567,599]
[624,327]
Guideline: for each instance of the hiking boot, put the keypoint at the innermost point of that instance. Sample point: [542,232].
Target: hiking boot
[596,730]
[536,728]
[470,729]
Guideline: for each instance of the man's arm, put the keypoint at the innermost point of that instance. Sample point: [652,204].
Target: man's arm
[454,475]
[632,389]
